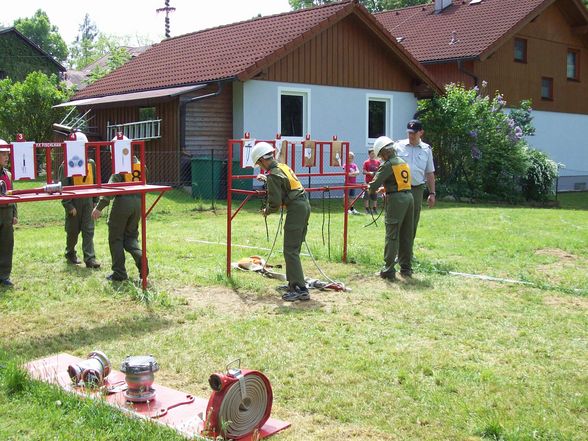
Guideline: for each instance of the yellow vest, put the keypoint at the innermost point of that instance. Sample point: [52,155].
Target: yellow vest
[85,180]
[292,179]
[135,176]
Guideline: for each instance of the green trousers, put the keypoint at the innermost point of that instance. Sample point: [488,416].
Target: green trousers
[83,223]
[123,233]
[6,241]
[417,194]
[399,232]
[295,227]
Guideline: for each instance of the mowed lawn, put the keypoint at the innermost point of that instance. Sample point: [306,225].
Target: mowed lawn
[439,357]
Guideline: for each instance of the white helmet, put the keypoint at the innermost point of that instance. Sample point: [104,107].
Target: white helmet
[260,150]
[4,145]
[80,136]
[382,142]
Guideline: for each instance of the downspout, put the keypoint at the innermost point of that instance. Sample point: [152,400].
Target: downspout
[468,73]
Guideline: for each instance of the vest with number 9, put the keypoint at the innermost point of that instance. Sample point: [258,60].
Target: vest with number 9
[135,176]
[292,179]
[402,176]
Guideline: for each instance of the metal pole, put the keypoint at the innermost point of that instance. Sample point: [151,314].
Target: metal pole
[212,178]
[229,204]
[143,243]
[345,203]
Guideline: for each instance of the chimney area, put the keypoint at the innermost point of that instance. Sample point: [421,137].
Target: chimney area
[440,5]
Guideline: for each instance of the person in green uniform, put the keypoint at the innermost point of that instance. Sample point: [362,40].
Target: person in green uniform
[123,225]
[78,215]
[394,176]
[8,219]
[284,189]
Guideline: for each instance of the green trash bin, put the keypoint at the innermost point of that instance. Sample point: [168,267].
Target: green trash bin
[206,177]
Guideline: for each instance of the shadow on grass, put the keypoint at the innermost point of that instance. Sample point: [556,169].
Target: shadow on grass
[71,340]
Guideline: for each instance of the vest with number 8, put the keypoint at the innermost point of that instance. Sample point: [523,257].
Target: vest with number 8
[135,176]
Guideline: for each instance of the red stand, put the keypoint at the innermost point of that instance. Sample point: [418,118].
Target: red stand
[292,149]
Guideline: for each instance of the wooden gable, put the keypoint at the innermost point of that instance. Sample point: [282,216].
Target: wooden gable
[346,54]
[548,37]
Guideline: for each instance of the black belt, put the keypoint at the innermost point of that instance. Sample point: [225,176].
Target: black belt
[417,186]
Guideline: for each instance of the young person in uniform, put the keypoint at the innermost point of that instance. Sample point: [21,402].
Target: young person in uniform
[78,214]
[284,189]
[8,219]
[123,225]
[394,175]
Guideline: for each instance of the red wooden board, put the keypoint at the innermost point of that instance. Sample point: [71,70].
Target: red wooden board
[185,418]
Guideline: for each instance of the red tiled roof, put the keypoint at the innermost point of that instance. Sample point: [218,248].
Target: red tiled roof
[231,51]
[477,28]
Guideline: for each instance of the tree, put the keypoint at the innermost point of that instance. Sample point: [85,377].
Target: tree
[83,51]
[480,150]
[117,56]
[40,31]
[371,5]
[27,106]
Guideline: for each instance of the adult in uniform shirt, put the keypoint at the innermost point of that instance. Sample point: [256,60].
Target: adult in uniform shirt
[123,224]
[419,157]
[394,176]
[78,214]
[8,218]
[284,189]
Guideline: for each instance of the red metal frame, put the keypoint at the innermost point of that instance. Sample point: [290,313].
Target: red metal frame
[320,146]
[99,189]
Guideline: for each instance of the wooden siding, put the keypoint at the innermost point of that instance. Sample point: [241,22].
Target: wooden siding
[208,122]
[344,55]
[548,37]
[163,153]
[446,73]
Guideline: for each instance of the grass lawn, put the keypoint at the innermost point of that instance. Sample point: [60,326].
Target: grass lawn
[439,357]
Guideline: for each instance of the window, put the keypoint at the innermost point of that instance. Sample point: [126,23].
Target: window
[378,117]
[3,74]
[573,65]
[293,113]
[547,88]
[146,113]
[520,50]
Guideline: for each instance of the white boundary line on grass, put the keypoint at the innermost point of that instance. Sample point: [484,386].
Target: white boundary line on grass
[452,273]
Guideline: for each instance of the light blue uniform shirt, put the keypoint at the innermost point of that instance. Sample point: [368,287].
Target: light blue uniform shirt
[419,158]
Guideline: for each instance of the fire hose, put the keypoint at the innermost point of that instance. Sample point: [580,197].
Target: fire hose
[240,403]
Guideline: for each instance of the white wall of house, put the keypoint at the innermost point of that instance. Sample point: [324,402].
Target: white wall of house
[331,111]
[563,137]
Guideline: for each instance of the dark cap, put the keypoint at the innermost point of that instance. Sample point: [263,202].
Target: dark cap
[414,125]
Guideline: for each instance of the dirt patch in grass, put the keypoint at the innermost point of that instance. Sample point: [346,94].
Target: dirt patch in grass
[556,252]
[567,302]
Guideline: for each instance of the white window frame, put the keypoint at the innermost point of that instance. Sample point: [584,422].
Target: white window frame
[388,120]
[296,91]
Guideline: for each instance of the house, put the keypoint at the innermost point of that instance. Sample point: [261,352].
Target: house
[19,56]
[78,78]
[526,49]
[328,70]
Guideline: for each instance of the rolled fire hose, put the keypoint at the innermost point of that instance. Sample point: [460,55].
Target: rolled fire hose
[240,403]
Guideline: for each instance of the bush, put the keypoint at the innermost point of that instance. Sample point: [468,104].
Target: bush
[479,148]
[539,181]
